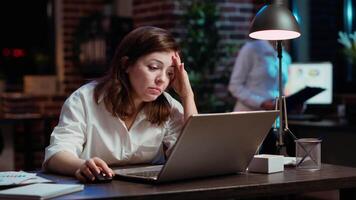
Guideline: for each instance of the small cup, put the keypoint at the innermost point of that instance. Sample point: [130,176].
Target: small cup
[308,153]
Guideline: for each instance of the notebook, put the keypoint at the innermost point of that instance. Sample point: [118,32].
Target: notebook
[209,145]
[40,191]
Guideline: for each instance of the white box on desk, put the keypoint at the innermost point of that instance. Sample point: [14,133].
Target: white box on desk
[266,163]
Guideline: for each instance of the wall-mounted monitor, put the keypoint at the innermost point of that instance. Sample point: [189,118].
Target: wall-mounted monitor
[320,75]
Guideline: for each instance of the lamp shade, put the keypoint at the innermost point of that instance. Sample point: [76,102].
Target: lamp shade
[274,22]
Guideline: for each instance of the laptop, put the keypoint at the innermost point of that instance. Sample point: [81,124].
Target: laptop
[209,145]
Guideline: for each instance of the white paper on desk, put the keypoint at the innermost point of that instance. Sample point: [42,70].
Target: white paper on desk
[289,160]
[37,179]
[10,178]
[14,177]
[40,191]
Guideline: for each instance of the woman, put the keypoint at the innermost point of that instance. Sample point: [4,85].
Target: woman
[254,77]
[125,117]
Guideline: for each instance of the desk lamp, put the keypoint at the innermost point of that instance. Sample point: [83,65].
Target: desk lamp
[275,22]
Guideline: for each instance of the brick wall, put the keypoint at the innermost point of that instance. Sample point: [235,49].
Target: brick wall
[160,13]
[234,20]
[69,13]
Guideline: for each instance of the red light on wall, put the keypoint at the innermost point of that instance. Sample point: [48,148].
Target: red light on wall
[15,52]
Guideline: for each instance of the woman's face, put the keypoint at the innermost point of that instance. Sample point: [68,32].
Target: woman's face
[150,75]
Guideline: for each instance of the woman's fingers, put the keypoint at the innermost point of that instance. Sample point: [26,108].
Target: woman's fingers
[176,54]
[181,80]
[176,63]
[88,173]
[91,168]
[81,177]
[105,168]
[83,174]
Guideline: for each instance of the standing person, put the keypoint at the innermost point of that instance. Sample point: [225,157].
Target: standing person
[254,81]
[124,117]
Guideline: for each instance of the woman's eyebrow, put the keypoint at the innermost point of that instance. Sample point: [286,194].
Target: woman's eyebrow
[153,59]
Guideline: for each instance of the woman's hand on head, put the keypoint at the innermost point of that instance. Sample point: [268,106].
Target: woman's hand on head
[180,82]
[91,168]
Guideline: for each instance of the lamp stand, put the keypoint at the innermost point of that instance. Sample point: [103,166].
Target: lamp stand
[281,104]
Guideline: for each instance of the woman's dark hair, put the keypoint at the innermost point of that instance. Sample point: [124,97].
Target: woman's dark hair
[115,86]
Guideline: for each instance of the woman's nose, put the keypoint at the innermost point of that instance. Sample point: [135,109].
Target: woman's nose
[161,78]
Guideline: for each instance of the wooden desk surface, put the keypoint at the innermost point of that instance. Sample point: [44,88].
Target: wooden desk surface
[291,181]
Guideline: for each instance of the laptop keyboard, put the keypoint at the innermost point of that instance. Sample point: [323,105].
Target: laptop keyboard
[145,174]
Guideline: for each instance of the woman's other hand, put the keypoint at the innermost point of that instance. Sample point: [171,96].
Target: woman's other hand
[181,85]
[91,168]
[180,82]
[268,105]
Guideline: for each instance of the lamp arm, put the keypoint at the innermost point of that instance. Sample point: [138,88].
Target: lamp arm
[280,90]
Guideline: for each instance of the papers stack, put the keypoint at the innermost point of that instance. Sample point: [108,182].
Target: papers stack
[40,191]
[13,178]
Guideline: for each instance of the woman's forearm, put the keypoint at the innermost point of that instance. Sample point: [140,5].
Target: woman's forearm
[189,106]
[64,163]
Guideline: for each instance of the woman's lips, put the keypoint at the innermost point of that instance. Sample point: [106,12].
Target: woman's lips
[153,90]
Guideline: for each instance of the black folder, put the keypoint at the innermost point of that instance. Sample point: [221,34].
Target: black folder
[299,98]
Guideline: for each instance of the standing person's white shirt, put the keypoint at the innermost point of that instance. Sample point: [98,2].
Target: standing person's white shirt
[86,129]
[254,79]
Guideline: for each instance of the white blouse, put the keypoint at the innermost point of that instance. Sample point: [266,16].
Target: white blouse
[86,129]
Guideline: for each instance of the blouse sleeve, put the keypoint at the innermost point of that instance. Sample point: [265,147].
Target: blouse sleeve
[69,134]
[174,125]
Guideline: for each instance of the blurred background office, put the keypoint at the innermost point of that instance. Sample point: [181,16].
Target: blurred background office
[51,47]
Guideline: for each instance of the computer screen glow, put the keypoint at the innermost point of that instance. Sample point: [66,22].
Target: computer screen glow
[301,75]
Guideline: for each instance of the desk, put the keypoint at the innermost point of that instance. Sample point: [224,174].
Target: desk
[291,181]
